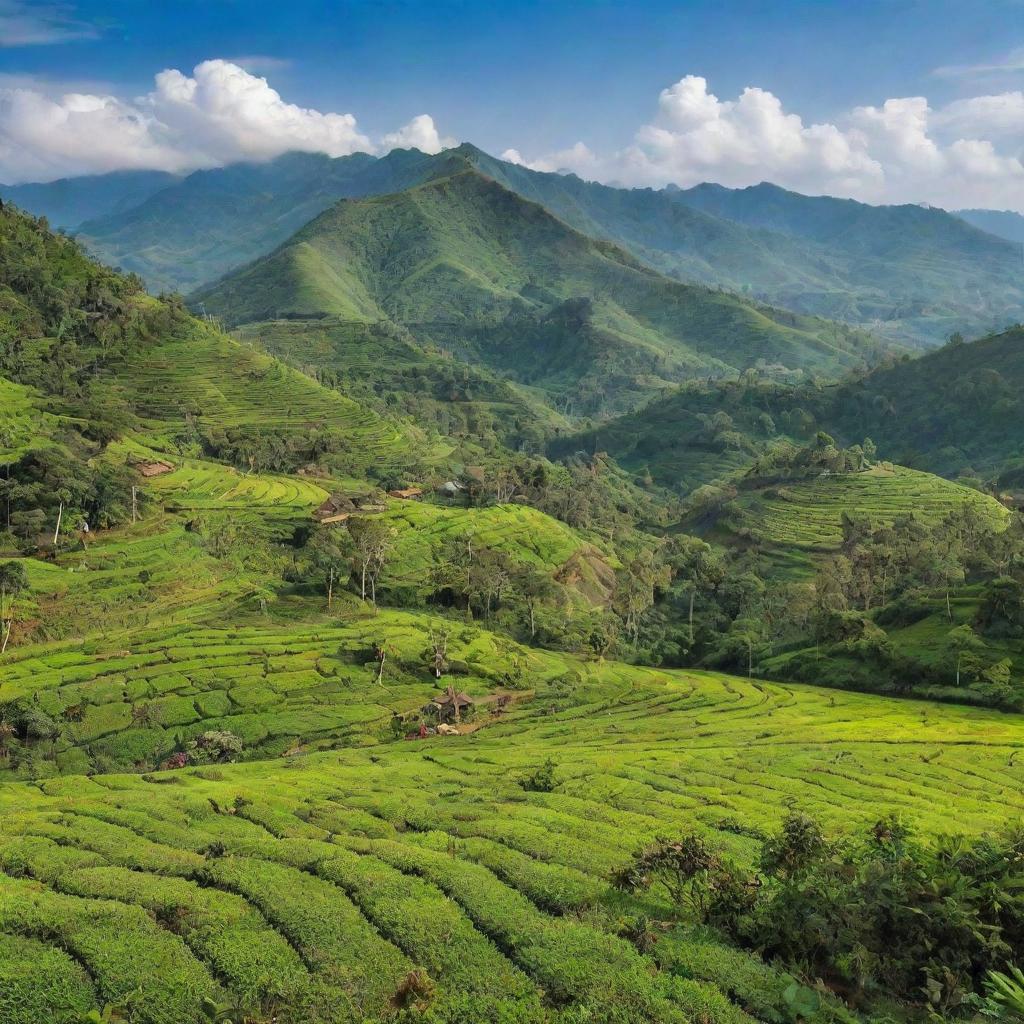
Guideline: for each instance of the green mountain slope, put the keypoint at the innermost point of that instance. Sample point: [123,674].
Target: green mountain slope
[212,221]
[911,273]
[954,411]
[916,270]
[472,267]
[382,364]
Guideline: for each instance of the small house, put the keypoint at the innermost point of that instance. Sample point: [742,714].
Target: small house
[336,509]
[340,507]
[406,492]
[155,468]
[450,706]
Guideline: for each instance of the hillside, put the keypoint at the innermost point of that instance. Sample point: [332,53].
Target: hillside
[197,229]
[912,269]
[954,411]
[794,521]
[911,274]
[472,267]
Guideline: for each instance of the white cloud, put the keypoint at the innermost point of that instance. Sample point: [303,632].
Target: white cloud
[967,153]
[40,24]
[219,114]
[578,158]
[420,133]
[1001,115]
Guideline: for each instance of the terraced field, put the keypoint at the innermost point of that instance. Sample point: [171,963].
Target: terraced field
[24,422]
[280,688]
[527,535]
[222,383]
[805,516]
[315,886]
[197,484]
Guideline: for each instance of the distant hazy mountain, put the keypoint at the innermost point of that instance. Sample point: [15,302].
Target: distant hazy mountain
[69,201]
[476,269]
[1004,223]
[909,273]
[213,221]
[911,268]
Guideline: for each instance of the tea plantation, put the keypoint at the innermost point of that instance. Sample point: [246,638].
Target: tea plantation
[317,884]
[794,519]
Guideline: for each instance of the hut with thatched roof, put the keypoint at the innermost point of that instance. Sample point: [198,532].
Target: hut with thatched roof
[450,706]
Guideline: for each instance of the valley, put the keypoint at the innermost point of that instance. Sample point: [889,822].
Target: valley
[467,604]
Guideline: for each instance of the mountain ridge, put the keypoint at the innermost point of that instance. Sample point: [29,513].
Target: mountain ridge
[913,274]
[470,265]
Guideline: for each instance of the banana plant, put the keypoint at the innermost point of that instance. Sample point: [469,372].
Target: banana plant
[1005,995]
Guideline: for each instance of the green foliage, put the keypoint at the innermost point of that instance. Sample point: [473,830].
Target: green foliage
[919,922]
[1005,994]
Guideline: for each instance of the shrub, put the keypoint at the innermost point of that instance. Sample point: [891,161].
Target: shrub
[541,780]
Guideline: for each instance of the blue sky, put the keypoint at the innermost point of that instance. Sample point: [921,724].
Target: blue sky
[538,77]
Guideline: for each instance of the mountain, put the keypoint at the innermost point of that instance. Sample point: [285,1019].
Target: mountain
[1002,223]
[68,202]
[912,269]
[474,268]
[213,221]
[910,273]
[956,411]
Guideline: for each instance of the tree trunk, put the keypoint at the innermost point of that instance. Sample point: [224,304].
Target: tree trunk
[958,657]
[330,589]
[7,635]
[60,515]
[949,610]
[380,671]
[693,592]
[362,589]
[533,627]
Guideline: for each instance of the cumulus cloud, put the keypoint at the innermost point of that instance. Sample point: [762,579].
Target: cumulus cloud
[420,133]
[967,153]
[578,158]
[219,114]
